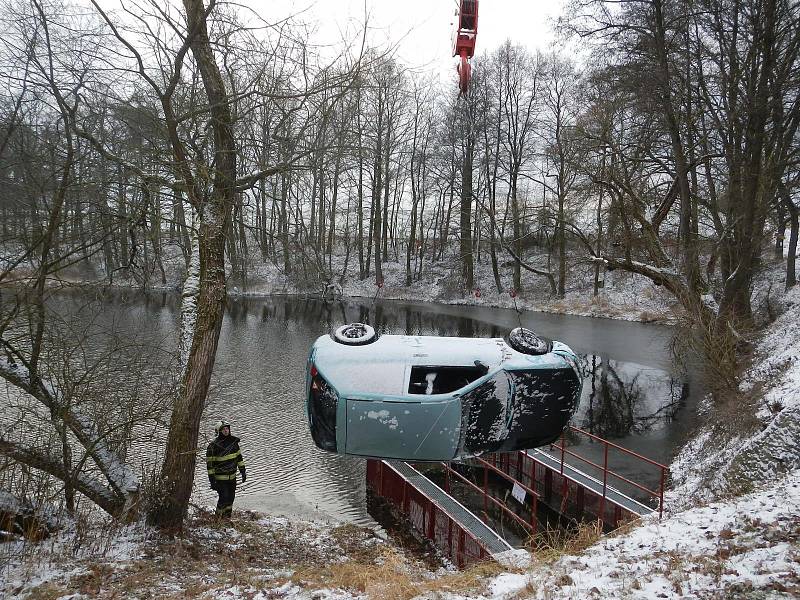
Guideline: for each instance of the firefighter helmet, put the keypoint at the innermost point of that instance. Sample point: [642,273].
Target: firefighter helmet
[220,424]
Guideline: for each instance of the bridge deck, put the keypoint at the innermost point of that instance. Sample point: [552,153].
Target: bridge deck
[590,483]
[493,543]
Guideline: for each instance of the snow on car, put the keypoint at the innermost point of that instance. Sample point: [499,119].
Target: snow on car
[427,398]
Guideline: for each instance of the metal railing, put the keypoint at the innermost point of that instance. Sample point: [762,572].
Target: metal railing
[520,469]
[606,472]
[529,525]
[425,515]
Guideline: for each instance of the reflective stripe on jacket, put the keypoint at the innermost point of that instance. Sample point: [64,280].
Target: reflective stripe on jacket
[223,457]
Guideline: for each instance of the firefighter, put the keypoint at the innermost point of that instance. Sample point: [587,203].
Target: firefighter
[223,457]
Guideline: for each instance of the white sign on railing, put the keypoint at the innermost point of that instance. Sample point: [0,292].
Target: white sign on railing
[518,493]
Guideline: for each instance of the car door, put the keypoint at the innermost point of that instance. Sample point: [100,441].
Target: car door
[403,429]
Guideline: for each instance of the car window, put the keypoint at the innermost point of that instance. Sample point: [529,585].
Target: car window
[442,380]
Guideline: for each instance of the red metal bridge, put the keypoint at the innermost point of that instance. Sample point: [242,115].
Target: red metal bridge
[557,477]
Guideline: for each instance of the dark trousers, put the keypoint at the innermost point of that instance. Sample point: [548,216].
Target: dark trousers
[227,492]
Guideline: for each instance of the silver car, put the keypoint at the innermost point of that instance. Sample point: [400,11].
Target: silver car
[425,398]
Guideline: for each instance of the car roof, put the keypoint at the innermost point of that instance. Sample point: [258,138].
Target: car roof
[382,367]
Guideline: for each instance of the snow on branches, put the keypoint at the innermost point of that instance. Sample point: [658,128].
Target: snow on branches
[121,489]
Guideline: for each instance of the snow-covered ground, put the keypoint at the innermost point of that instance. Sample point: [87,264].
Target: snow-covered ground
[241,558]
[747,547]
[623,295]
[246,558]
[722,550]
[711,543]
[759,441]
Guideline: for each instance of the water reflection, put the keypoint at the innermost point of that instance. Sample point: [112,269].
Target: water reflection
[630,392]
[624,398]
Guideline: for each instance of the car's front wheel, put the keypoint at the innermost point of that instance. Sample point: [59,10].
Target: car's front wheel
[354,334]
[526,341]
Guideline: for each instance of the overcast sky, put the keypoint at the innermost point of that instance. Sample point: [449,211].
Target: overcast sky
[422,29]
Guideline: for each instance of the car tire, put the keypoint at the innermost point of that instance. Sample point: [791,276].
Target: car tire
[527,342]
[354,334]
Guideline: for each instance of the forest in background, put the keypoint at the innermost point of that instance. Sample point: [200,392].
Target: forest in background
[639,154]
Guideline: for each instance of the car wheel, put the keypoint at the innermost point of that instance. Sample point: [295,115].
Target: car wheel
[354,334]
[526,341]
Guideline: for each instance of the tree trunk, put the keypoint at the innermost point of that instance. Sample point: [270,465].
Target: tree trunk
[412,234]
[562,247]
[599,215]
[385,230]
[362,270]
[467,265]
[750,183]
[446,219]
[376,193]
[177,472]
[690,260]
[794,218]
[332,221]
[780,226]
[517,233]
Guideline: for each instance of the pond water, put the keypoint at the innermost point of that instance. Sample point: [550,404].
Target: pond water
[632,393]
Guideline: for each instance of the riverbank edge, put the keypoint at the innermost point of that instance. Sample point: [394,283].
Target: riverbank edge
[670,315]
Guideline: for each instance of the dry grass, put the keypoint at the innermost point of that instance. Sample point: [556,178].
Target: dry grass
[601,306]
[556,542]
[47,591]
[734,416]
[214,555]
[353,541]
[393,577]
[471,579]
[91,582]
[625,527]
[387,578]
[210,555]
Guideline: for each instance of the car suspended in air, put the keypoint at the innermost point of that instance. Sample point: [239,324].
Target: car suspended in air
[425,398]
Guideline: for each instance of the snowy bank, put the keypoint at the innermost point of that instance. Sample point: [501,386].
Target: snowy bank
[210,559]
[623,295]
[248,557]
[759,440]
[722,550]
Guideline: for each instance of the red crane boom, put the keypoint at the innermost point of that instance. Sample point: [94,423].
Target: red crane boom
[465,41]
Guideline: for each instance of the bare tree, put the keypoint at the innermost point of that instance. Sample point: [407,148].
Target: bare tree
[561,110]
[702,114]
[61,421]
